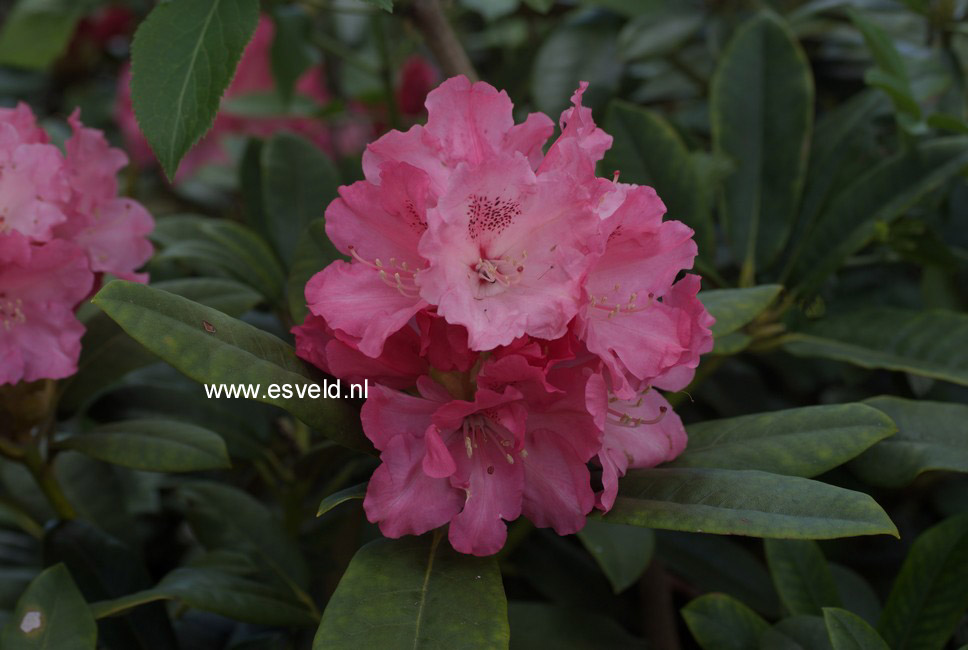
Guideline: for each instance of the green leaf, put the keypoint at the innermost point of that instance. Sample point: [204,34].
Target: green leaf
[734,308]
[720,622]
[581,48]
[223,247]
[890,74]
[848,631]
[660,32]
[223,517]
[416,593]
[880,195]
[928,343]
[857,592]
[183,57]
[536,625]
[291,54]
[152,445]
[931,436]
[648,151]
[385,5]
[52,615]
[761,104]
[745,502]
[298,182]
[797,633]
[352,493]
[804,441]
[623,552]
[104,568]
[36,32]
[212,348]
[313,253]
[930,594]
[801,576]
[215,591]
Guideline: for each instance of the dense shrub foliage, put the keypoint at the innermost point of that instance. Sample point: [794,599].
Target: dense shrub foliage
[660,305]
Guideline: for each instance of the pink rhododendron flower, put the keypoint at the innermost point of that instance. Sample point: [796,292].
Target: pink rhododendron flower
[61,225]
[530,310]
[417,78]
[253,76]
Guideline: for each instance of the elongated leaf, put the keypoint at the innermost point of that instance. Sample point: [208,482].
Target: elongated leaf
[153,445]
[213,348]
[648,151]
[930,593]
[51,615]
[182,59]
[927,343]
[798,442]
[797,633]
[298,182]
[540,625]
[854,590]
[104,568]
[734,308]
[720,622]
[353,493]
[623,552]
[108,353]
[801,576]
[36,32]
[313,253]
[218,592]
[880,195]
[416,593]
[848,631]
[735,502]
[931,436]
[761,104]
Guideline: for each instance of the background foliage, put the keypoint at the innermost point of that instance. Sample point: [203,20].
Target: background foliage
[819,150]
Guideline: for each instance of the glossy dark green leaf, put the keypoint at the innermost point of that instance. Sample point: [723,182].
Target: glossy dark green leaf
[623,552]
[51,615]
[224,247]
[416,593]
[931,436]
[183,57]
[648,151]
[890,74]
[537,625]
[35,32]
[927,343]
[856,592]
[930,594]
[804,441]
[226,594]
[298,182]
[212,348]
[313,253]
[761,105]
[223,517]
[353,493]
[660,32]
[801,576]
[105,568]
[797,633]
[291,54]
[880,195]
[152,445]
[848,631]
[720,622]
[745,502]
[715,563]
[734,308]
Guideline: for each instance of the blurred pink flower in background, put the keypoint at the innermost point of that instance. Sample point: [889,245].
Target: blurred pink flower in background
[61,226]
[530,309]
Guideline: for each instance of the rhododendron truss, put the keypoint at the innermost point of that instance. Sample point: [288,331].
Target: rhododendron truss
[62,225]
[519,313]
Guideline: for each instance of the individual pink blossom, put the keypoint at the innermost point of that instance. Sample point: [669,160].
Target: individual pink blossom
[40,284]
[417,78]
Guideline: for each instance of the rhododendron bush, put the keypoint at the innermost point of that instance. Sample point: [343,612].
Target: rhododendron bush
[448,323]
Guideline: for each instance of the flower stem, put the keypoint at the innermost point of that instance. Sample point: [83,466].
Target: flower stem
[43,473]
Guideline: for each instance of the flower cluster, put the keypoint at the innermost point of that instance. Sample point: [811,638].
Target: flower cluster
[517,312]
[62,225]
[253,81]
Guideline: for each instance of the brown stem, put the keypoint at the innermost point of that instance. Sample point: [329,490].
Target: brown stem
[658,610]
[441,39]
